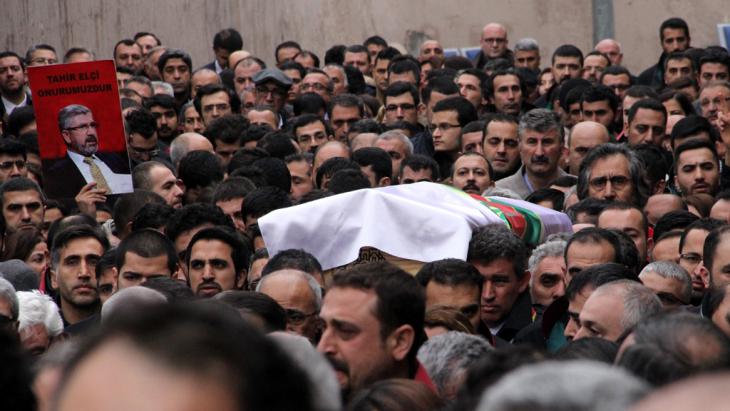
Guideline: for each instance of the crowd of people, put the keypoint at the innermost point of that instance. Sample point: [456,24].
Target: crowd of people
[167,298]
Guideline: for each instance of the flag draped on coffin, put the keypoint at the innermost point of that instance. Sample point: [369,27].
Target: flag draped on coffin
[422,222]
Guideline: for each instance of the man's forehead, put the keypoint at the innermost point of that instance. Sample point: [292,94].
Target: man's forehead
[314,126]
[160,109]
[400,98]
[9,61]
[316,77]
[471,161]
[175,62]
[21,196]
[701,154]
[220,248]
[76,245]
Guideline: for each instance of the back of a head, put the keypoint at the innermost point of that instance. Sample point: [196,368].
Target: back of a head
[193,216]
[258,304]
[263,200]
[293,259]
[130,298]
[571,385]
[394,395]
[200,169]
[275,172]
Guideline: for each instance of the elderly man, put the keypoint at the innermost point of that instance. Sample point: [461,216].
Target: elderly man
[494,45]
[613,172]
[616,307]
[301,297]
[669,281]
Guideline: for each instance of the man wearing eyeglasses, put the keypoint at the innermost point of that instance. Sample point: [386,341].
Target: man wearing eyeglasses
[272,88]
[613,172]
[214,101]
[691,254]
[84,163]
[301,297]
[12,160]
[494,45]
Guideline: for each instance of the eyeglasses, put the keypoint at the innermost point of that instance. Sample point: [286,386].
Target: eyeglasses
[313,86]
[617,182]
[152,152]
[404,107]
[276,92]
[83,127]
[495,40]
[717,101]
[220,107]
[690,258]
[7,165]
[296,317]
[443,127]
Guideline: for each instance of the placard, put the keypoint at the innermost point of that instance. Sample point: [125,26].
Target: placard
[80,128]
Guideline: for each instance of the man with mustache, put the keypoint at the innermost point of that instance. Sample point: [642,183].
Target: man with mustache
[75,253]
[472,173]
[216,261]
[373,326]
[504,89]
[84,163]
[541,148]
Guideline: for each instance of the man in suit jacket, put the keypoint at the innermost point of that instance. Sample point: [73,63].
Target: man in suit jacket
[225,42]
[541,148]
[66,176]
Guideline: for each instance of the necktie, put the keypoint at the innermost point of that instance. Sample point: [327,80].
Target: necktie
[97,175]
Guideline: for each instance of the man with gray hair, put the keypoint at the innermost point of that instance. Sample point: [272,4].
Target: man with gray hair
[447,358]
[614,308]
[547,273]
[669,281]
[613,172]
[39,321]
[527,54]
[300,295]
[572,385]
[398,147]
[541,148]
[8,306]
[612,49]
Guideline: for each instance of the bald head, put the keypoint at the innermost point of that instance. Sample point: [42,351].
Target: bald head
[612,49]
[187,142]
[660,204]
[707,393]
[584,136]
[329,150]
[494,40]
[671,122]
[237,56]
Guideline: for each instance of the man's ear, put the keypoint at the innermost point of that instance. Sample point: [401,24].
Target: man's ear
[54,280]
[241,279]
[524,282]
[66,138]
[400,341]
[705,275]
[384,182]
[421,109]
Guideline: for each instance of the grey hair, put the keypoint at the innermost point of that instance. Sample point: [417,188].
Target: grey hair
[571,385]
[527,44]
[397,135]
[322,379]
[639,301]
[166,88]
[447,357]
[495,191]
[340,69]
[547,249]
[636,169]
[131,297]
[36,308]
[7,293]
[67,113]
[311,282]
[671,270]
[541,120]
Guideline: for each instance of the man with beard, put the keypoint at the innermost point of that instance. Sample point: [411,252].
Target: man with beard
[373,326]
[691,254]
[541,148]
[501,145]
[216,261]
[12,84]
[472,173]
[75,253]
[162,107]
[83,163]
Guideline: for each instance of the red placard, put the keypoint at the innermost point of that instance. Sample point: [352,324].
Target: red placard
[92,85]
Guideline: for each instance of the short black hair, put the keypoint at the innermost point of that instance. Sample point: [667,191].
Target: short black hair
[12,147]
[228,128]
[309,103]
[333,165]
[376,40]
[208,89]
[568,50]
[674,23]
[344,181]
[417,162]
[495,241]
[128,204]
[152,215]
[240,252]
[195,215]
[599,92]
[673,220]
[648,104]
[232,188]
[405,63]
[200,169]
[276,173]
[289,44]
[402,87]
[450,271]
[694,144]
[703,224]
[596,235]
[142,122]
[264,200]
[279,143]
[18,119]
[174,54]
[376,157]
[553,195]
[388,53]
[65,236]
[165,101]
[596,276]
[228,39]
[693,125]
[147,243]
[466,112]
[442,84]
[259,304]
